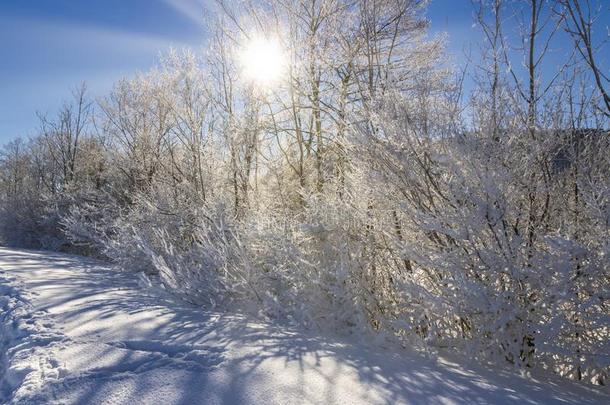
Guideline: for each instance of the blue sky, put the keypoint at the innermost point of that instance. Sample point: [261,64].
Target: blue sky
[48,47]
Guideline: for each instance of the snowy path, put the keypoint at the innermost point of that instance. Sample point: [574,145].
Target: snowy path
[73,331]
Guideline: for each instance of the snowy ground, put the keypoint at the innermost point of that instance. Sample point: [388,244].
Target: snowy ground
[73,331]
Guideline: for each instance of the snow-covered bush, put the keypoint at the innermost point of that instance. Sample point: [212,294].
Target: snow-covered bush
[308,271]
[495,264]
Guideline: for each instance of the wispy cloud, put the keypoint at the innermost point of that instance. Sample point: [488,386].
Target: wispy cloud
[194,10]
[66,35]
[42,60]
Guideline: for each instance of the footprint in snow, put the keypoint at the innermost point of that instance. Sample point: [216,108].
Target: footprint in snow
[149,355]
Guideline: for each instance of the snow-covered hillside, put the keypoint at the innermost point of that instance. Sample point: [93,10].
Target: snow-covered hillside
[74,331]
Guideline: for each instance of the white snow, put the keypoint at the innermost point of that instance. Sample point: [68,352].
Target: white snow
[74,331]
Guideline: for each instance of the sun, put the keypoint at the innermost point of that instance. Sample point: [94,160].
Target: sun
[262,61]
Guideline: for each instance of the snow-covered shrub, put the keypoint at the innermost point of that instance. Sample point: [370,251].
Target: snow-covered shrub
[308,271]
[495,264]
[309,267]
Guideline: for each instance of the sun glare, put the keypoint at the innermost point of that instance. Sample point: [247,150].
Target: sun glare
[262,61]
